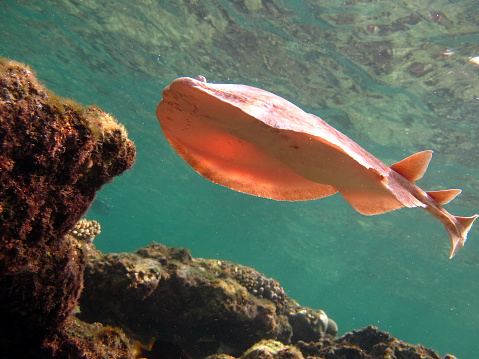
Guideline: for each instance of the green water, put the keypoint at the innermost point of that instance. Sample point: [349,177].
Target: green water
[374,70]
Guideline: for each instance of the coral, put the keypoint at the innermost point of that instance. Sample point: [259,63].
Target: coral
[85,230]
[256,283]
[54,156]
[203,306]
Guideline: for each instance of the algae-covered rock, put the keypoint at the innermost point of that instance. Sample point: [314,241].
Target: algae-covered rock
[213,309]
[204,306]
[90,341]
[270,349]
[367,343]
[54,156]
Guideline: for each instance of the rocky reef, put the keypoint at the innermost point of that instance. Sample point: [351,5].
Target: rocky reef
[54,156]
[202,308]
[367,343]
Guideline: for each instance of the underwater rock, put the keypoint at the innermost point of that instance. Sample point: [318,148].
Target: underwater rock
[378,55]
[212,309]
[90,341]
[367,343]
[160,349]
[54,156]
[267,349]
[204,306]
[418,69]
[256,283]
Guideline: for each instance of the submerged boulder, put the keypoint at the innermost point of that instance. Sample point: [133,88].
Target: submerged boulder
[367,343]
[204,306]
[54,156]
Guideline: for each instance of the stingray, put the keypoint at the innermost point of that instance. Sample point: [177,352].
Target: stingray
[255,142]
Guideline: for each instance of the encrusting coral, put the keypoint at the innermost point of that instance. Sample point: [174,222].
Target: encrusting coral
[54,156]
[256,283]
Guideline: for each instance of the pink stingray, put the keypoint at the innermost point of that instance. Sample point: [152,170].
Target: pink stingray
[256,142]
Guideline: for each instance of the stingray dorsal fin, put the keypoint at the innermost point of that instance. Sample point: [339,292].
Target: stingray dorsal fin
[444,196]
[414,166]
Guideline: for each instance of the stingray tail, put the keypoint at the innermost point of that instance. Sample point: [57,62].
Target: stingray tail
[459,235]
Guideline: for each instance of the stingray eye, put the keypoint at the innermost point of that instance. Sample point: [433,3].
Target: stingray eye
[201,78]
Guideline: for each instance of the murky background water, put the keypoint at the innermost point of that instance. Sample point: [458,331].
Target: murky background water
[395,77]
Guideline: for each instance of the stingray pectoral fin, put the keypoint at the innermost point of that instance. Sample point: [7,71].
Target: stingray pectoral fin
[239,165]
[371,203]
[444,196]
[378,193]
[414,166]
[459,239]
[373,199]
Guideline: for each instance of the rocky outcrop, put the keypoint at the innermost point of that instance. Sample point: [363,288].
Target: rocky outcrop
[198,308]
[201,305]
[54,156]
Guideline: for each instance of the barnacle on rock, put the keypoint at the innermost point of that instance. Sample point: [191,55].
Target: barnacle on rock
[85,230]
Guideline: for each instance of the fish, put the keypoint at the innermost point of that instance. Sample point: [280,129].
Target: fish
[253,141]
[100,206]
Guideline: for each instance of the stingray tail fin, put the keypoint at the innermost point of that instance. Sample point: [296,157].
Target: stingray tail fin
[459,236]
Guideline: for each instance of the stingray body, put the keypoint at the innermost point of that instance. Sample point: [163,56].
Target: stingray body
[256,142]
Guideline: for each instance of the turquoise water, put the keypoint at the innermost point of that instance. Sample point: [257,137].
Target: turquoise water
[374,70]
